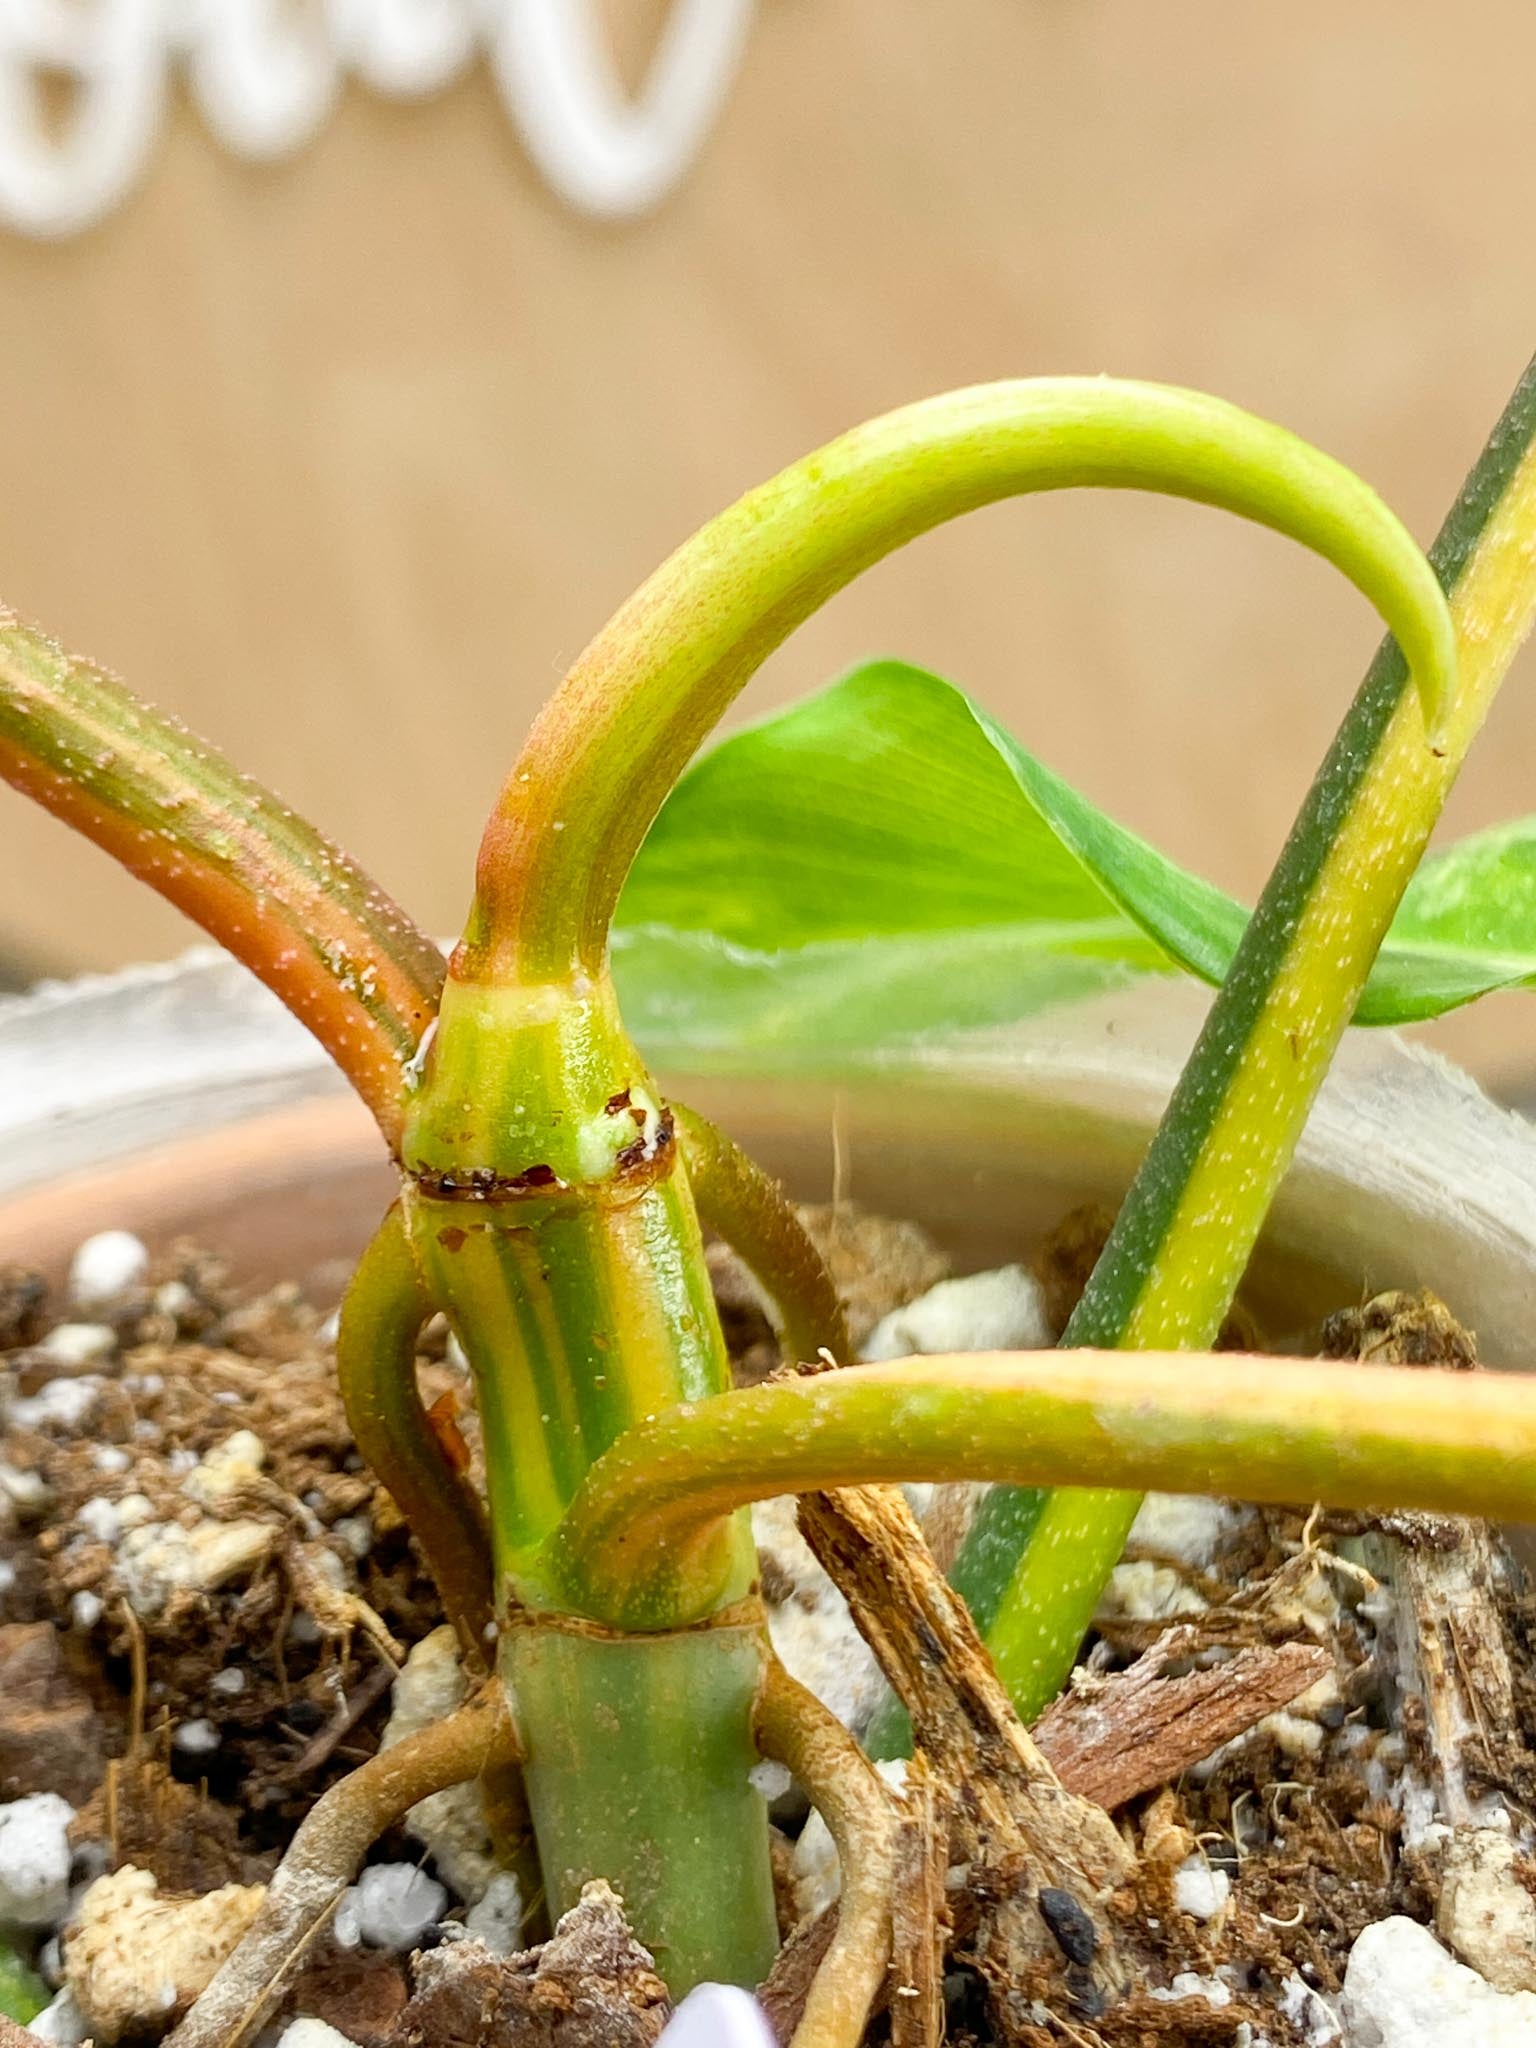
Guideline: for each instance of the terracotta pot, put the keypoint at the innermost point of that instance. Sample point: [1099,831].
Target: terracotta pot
[181,1099]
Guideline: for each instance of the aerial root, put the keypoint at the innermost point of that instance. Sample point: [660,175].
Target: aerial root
[794,1728]
[324,1856]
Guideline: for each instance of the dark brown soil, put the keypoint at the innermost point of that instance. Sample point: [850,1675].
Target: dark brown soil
[282,1663]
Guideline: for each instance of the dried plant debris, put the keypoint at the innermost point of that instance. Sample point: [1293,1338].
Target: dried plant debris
[591,1985]
[1310,1729]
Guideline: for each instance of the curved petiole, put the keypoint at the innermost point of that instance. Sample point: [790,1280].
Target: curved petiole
[300,913]
[748,1208]
[382,1313]
[1225,1423]
[616,735]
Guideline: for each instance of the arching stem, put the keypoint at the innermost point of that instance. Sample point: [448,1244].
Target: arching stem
[1263,1429]
[619,731]
[746,1207]
[382,1314]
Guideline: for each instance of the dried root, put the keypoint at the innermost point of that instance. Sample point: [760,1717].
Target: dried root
[323,1858]
[796,1730]
[1043,1861]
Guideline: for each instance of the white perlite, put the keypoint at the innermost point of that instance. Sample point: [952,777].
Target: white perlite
[450,1824]
[105,1267]
[57,1404]
[999,1311]
[1190,1984]
[226,1470]
[85,1610]
[34,1860]
[61,2024]
[312,2034]
[1484,1911]
[1401,1990]
[131,1958]
[1199,1890]
[162,1559]
[497,1919]
[1309,2013]
[1146,1591]
[24,1492]
[391,1906]
[1187,1528]
[74,1345]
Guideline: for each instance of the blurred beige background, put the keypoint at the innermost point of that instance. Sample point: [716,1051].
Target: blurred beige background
[344,458]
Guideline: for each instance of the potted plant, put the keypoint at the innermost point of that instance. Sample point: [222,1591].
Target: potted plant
[550,1200]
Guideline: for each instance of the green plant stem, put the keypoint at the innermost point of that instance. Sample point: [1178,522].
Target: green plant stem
[743,1205]
[618,732]
[1268,1429]
[381,1317]
[550,1216]
[547,1209]
[637,1762]
[1031,1570]
[299,912]
[580,1319]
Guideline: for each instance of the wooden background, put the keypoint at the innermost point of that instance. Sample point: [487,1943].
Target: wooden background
[344,459]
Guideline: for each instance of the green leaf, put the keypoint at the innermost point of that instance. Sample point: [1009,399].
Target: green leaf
[1472,910]
[856,872]
[1466,926]
[884,863]
[23,1994]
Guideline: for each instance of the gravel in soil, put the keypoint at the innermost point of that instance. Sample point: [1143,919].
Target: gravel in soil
[204,1600]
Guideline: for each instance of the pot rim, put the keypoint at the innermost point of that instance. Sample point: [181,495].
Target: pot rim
[223,1114]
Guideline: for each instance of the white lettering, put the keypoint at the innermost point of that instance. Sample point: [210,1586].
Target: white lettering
[601,152]
[407,49]
[265,75]
[108,57]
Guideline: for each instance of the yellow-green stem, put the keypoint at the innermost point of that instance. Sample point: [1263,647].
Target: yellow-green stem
[619,731]
[1261,1428]
[1031,1570]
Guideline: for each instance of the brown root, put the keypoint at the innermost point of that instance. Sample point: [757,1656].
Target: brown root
[796,1730]
[324,1856]
[1043,1861]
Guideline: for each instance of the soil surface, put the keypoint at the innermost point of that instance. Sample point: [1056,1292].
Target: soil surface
[205,1600]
